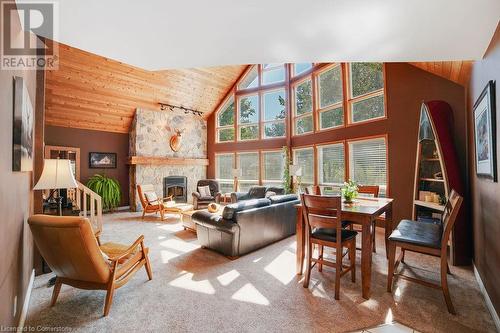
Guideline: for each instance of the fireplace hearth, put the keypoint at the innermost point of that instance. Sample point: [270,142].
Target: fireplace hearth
[175,186]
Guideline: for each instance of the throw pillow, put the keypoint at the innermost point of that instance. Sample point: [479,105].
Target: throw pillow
[204,191]
[270,194]
[151,197]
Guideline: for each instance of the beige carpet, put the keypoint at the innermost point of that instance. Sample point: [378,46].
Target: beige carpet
[196,290]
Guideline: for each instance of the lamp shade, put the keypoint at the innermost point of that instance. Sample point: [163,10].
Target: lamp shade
[236,172]
[295,170]
[56,174]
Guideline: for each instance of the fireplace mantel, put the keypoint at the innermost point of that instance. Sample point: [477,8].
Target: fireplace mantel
[153,160]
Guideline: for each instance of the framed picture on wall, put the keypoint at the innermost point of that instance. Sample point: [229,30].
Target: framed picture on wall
[102,160]
[22,148]
[485,133]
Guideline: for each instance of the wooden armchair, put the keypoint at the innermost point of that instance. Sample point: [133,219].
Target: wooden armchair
[70,248]
[150,201]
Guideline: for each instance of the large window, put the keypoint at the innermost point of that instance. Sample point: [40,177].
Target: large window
[224,164]
[368,162]
[274,113]
[303,107]
[248,163]
[304,157]
[330,97]
[225,121]
[272,168]
[366,93]
[331,164]
[248,117]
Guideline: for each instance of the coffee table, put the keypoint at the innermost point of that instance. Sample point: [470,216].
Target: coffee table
[187,218]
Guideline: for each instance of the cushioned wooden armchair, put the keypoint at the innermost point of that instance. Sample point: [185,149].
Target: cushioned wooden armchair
[70,248]
[150,201]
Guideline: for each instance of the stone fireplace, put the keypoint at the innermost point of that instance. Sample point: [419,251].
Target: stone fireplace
[175,186]
[152,160]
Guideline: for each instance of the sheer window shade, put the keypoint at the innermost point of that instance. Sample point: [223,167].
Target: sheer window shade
[368,163]
[331,163]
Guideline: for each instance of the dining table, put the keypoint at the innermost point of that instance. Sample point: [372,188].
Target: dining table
[364,212]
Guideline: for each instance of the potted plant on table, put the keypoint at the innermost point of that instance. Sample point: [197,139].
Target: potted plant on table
[107,188]
[349,191]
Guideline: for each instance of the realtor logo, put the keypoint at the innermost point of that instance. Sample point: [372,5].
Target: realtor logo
[28,29]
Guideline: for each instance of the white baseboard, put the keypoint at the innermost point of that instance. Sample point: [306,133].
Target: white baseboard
[487,299]
[26,303]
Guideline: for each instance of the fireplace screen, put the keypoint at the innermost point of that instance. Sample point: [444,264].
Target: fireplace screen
[175,186]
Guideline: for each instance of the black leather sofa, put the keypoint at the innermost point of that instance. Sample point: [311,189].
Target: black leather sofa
[256,192]
[247,225]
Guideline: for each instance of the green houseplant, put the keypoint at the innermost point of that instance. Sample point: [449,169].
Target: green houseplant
[349,191]
[286,171]
[107,188]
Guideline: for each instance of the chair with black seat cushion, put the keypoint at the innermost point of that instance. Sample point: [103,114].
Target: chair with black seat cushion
[371,191]
[427,238]
[204,199]
[323,223]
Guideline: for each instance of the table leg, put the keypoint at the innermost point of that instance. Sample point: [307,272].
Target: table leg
[388,228]
[366,257]
[300,242]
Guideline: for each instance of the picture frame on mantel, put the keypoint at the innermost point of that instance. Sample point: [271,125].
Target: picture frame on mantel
[102,160]
[485,140]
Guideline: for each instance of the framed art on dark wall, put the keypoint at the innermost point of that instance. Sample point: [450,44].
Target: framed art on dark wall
[485,133]
[102,160]
[22,136]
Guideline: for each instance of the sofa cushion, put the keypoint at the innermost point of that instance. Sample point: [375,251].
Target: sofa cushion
[204,191]
[208,198]
[257,192]
[276,189]
[283,198]
[232,209]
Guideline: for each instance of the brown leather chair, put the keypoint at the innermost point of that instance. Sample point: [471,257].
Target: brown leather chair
[70,248]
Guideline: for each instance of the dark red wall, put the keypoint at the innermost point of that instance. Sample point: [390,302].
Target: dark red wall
[95,141]
[406,88]
[485,195]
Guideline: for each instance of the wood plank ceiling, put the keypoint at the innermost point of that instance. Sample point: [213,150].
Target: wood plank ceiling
[93,92]
[456,71]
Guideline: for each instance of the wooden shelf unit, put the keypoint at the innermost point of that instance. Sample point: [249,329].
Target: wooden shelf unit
[432,160]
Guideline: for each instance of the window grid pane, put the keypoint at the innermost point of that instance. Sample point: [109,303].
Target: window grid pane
[249,109]
[273,73]
[301,68]
[366,77]
[226,115]
[331,163]
[225,134]
[249,165]
[366,109]
[330,87]
[368,163]
[272,163]
[251,80]
[304,125]
[224,166]
[305,158]
[303,98]
[331,118]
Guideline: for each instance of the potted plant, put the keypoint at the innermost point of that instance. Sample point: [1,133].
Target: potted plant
[107,188]
[349,191]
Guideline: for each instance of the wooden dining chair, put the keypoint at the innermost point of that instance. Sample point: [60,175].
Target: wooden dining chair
[322,216]
[315,189]
[367,190]
[427,238]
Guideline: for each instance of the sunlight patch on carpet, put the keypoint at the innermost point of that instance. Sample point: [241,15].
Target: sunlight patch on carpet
[228,277]
[179,245]
[282,267]
[248,293]
[186,282]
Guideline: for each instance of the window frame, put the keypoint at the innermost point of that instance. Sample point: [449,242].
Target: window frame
[315,161]
[240,125]
[351,100]
[223,180]
[263,120]
[370,138]
[319,110]
[346,162]
[218,127]
[293,107]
